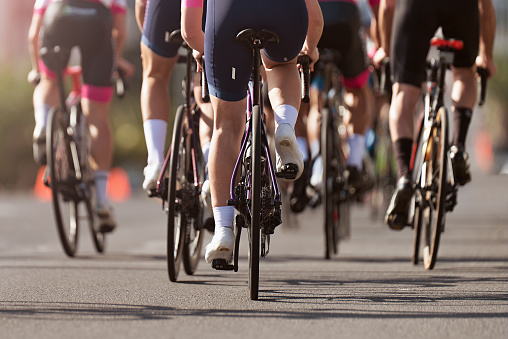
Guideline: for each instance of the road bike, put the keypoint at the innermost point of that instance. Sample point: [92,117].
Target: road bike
[254,190]
[181,179]
[336,193]
[381,151]
[68,172]
[432,168]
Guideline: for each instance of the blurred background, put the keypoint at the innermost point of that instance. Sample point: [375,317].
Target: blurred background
[18,171]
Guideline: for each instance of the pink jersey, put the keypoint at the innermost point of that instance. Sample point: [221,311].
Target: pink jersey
[116,6]
[192,3]
[371,2]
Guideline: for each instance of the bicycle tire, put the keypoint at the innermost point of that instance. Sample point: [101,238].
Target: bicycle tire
[98,237]
[83,142]
[195,232]
[194,235]
[254,227]
[177,178]
[330,202]
[62,181]
[434,199]
[418,215]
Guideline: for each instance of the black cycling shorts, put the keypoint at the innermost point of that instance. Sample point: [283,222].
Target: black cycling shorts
[87,25]
[344,32]
[228,62]
[162,17]
[415,23]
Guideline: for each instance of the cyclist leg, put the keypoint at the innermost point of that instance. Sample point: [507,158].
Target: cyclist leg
[464,93]
[284,91]
[155,109]
[359,104]
[314,132]
[159,57]
[224,56]
[205,138]
[97,58]
[229,125]
[299,198]
[414,24]
[45,96]
[464,26]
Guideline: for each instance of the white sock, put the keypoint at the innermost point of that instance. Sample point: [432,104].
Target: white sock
[206,151]
[315,147]
[155,137]
[101,183]
[302,144]
[224,216]
[41,116]
[285,114]
[317,171]
[357,146]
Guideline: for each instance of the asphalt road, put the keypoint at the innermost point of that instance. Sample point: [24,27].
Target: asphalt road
[370,290]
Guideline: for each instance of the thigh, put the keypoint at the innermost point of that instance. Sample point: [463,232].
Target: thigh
[460,20]
[228,62]
[414,25]
[161,19]
[97,51]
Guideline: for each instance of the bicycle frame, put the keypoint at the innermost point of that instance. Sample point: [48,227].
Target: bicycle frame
[245,141]
[433,100]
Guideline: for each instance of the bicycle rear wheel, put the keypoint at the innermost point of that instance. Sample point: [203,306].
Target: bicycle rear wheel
[431,210]
[331,201]
[176,184]
[254,227]
[62,181]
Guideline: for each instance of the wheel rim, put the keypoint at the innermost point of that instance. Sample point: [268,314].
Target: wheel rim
[63,186]
[434,175]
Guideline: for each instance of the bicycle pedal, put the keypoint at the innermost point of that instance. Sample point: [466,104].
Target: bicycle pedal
[288,171]
[222,265]
[152,193]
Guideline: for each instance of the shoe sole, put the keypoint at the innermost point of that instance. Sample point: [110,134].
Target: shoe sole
[288,172]
[220,253]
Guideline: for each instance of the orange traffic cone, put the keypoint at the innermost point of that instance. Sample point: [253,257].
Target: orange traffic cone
[41,191]
[119,187]
[483,151]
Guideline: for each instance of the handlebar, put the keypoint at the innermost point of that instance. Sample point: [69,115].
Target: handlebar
[484,74]
[205,95]
[304,61]
[120,83]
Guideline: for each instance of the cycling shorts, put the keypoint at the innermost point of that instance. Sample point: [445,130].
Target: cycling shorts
[416,22]
[344,33]
[87,25]
[228,62]
[162,17]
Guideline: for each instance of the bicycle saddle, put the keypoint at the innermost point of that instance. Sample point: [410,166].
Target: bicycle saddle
[55,57]
[176,38]
[257,39]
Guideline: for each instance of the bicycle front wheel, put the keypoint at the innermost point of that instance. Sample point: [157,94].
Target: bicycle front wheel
[62,181]
[434,179]
[177,183]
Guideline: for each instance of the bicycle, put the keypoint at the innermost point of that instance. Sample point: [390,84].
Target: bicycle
[254,190]
[336,192]
[383,157]
[431,166]
[68,173]
[181,179]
